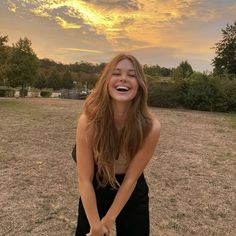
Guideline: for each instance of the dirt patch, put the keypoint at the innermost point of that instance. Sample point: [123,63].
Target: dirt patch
[191,176]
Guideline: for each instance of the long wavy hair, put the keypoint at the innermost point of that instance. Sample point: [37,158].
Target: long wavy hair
[107,144]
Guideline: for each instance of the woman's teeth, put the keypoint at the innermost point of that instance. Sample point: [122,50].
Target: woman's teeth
[122,88]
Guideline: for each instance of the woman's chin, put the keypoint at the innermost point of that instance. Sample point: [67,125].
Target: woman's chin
[122,98]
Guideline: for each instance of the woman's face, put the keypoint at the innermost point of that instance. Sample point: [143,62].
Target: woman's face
[123,84]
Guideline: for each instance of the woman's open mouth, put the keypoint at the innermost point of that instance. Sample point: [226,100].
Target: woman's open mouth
[121,88]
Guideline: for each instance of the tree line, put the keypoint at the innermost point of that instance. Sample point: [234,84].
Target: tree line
[168,87]
[20,67]
[215,91]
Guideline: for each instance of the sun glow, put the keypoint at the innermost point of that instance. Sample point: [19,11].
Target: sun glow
[80,50]
[124,24]
[66,25]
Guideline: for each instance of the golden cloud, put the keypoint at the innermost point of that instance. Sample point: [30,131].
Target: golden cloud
[12,7]
[148,22]
[80,50]
[66,25]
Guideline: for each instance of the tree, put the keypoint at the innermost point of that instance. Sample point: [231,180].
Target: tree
[184,70]
[54,80]
[47,63]
[225,49]
[67,81]
[3,59]
[165,72]
[23,64]
[153,70]
[41,81]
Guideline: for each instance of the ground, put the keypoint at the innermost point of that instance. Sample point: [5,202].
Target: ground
[191,176]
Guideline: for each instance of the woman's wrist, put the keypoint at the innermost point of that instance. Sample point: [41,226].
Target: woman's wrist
[96,226]
[111,215]
[111,219]
[108,221]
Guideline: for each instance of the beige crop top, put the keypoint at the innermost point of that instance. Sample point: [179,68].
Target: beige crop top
[121,164]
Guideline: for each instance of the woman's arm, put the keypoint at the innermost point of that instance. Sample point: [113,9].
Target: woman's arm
[85,163]
[134,171]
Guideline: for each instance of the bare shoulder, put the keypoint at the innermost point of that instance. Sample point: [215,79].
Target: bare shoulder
[156,127]
[83,126]
[83,120]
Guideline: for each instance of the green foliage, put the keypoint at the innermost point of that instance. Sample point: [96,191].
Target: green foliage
[67,81]
[46,93]
[204,93]
[184,70]
[47,63]
[54,80]
[19,66]
[23,92]
[198,91]
[225,59]
[85,80]
[166,72]
[4,52]
[162,94]
[6,92]
[229,91]
[152,70]
[23,64]
[156,70]
[86,67]
[41,81]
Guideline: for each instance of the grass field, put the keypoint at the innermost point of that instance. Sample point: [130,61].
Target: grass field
[192,177]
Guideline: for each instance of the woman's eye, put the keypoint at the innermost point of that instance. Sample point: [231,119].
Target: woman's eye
[115,73]
[132,75]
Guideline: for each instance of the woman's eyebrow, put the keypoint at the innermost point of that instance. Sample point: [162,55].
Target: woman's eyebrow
[130,70]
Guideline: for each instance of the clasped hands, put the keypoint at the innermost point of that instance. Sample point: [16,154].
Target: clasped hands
[102,229]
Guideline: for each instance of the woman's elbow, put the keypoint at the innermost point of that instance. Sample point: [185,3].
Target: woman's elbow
[130,182]
[84,184]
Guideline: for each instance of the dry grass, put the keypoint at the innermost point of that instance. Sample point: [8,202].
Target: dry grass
[191,177]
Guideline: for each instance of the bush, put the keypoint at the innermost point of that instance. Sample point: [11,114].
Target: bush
[23,92]
[163,94]
[229,90]
[45,93]
[7,92]
[198,91]
[203,93]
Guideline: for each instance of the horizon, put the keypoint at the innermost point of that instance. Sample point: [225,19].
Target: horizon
[163,33]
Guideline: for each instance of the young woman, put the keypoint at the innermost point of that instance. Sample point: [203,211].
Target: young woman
[116,138]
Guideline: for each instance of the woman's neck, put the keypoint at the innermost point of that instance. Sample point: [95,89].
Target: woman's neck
[120,113]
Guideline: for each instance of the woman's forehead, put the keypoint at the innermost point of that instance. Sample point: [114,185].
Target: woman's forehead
[125,64]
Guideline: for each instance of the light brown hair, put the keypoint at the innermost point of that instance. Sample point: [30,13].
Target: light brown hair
[107,144]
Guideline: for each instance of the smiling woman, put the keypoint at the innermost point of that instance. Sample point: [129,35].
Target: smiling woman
[123,84]
[116,138]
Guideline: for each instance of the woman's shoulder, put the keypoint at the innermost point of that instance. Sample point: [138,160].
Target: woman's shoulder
[83,119]
[156,127]
[84,124]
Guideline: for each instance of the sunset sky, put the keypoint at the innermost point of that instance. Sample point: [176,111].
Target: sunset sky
[155,31]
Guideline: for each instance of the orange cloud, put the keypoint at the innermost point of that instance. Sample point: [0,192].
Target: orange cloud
[66,25]
[80,50]
[127,24]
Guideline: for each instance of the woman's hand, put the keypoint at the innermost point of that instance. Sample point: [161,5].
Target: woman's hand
[100,230]
[108,223]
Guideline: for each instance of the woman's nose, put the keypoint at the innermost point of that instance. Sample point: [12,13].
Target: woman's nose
[123,77]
